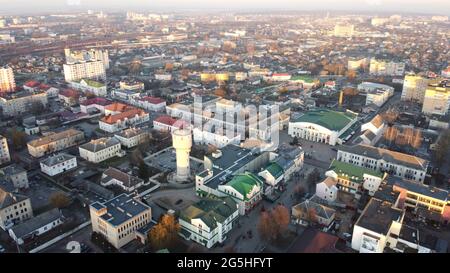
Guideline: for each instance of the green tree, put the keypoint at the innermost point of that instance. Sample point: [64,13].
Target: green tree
[59,200]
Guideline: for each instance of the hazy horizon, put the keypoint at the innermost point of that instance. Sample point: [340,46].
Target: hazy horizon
[441,7]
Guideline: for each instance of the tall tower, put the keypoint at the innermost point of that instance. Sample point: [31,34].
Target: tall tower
[182,142]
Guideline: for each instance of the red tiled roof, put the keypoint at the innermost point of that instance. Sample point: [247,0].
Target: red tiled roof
[168,120]
[99,101]
[70,93]
[32,83]
[111,119]
[118,107]
[153,100]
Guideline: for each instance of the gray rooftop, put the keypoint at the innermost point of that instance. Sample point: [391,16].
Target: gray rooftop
[100,144]
[378,216]
[37,222]
[420,188]
[120,209]
[57,159]
[8,198]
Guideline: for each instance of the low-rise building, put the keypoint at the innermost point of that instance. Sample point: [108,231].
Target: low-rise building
[91,86]
[313,212]
[119,219]
[16,175]
[372,130]
[378,159]
[127,182]
[36,226]
[327,189]
[208,221]
[101,149]
[151,104]
[55,142]
[128,117]
[14,208]
[57,164]
[354,179]
[168,124]
[376,227]
[95,104]
[323,125]
[132,137]
[18,103]
[290,158]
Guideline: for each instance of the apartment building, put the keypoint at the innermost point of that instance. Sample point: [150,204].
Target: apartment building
[7,81]
[16,175]
[414,87]
[55,142]
[386,68]
[132,137]
[57,164]
[4,150]
[14,208]
[437,98]
[84,70]
[15,104]
[87,55]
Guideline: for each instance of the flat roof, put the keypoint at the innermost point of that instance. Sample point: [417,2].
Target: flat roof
[378,216]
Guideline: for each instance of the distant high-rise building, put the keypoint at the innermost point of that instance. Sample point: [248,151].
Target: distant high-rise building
[414,87]
[354,64]
[437,98]
[84,70]
[7,82]
[341,30]
[87,55]
[386,68]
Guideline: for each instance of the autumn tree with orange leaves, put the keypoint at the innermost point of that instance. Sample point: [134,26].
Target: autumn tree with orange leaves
[165,233]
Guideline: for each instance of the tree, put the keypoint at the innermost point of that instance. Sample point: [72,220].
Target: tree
[136,157]
[143,171]
[442,147]
[313,177]
[36,107]
[295,141]
[281,217]
[59,200]
[18,138]
[265,226]
[164,234]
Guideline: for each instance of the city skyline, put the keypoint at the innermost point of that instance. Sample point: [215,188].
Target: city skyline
[376,6]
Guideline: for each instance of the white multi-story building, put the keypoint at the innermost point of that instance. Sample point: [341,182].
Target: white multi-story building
[129,117]
[378,97]
[4,150]
[84,70]
[101,149]
[386,68]
[120,218]
[18,103]
[373,130]
[132,137]
[394,163]
[14,208]
[88,55]
[377,227]
[208,222]
[437,98]
[16,175]
[218,140]
[150,104]
[7,82]
[55,142]
[59,163]
[414,88]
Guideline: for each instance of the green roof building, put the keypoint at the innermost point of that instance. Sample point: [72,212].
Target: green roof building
[208,220]
[323,125]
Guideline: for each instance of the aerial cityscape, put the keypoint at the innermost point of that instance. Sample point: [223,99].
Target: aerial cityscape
[140,130]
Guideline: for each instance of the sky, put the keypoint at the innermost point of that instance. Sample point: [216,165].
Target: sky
[397,6]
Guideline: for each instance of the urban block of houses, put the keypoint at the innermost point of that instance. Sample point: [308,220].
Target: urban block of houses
[14,208]
[55,142]
[101,149]
[127,182]
[394,163]
[131,137]
[208,221]
[323,125]
[228,172]
[120,117]
[120,219]
[36,226]
[94,104]
[151,104]
[92,86]
[59,163]
[350,178]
